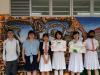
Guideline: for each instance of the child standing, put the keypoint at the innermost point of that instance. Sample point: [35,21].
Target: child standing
[30,53]
[58,62]
[91,56]
[75,61]
[45,51]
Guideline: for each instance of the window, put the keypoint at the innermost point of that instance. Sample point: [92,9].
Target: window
[40,7]
[61,7]
[55,7]
[20,8]
[97,7]
[81,7]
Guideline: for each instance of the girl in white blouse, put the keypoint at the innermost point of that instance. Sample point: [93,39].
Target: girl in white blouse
[75,60]
[58,61]
[91,56]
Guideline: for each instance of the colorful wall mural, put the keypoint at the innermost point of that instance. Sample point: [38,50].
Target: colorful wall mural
[21,26]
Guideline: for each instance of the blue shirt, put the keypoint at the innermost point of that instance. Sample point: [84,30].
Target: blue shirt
[31,47]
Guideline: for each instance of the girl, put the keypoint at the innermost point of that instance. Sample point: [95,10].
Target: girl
[91,56]
[30,54]
[45,51]
[58,62]
[75,61]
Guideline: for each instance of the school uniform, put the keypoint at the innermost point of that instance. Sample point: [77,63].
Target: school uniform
[58,61]
[75,60]
[31,54]
[11,51]
[45,47]
[91,55]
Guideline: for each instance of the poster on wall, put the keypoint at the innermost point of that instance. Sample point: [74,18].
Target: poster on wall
[22,25]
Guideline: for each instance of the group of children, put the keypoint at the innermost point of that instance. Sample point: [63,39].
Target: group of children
[38,55]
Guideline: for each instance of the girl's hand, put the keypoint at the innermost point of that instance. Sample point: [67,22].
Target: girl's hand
[45,61]
[50,46]
[38,59]
[48,59]
[96,49]
[4,62]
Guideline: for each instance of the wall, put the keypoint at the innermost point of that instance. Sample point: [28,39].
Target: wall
[4,6]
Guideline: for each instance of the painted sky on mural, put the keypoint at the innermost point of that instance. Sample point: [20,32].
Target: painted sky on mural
[89,23]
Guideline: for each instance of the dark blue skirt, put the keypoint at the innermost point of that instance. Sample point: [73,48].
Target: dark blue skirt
[31,66]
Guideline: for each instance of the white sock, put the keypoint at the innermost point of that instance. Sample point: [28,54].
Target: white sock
[56,72]
[61,72]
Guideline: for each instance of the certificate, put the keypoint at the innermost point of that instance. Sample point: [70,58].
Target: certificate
[58,45]
[78,48]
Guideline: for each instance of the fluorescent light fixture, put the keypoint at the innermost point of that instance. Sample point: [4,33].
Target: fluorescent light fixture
[36,14]
[83,14]
[97,14]
[87,14]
